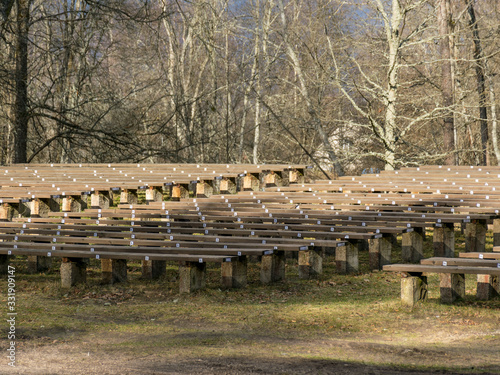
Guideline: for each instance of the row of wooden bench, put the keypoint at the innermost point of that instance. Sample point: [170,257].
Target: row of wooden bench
[452,271]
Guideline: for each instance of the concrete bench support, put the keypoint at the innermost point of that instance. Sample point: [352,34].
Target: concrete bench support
[347,258]
[192,276]
[153,269]
[234,274]
[114,270]
[100,199]
[488,286]
[128,196]
[4,264]
[452,286]
[37,264]
[475,236]
[413,246]
[413,289]
[272,267]
[444,241]
[204,190]
[380,252]
[310,264]
[154,194]
[73,271]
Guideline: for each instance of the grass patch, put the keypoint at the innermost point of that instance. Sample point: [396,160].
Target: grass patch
[354,318]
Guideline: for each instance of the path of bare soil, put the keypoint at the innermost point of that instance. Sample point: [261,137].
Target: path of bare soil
[225,352]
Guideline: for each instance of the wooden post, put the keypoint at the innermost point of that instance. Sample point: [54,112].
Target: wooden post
[72,204]
[203,190]
[42,207]
[4,264]
[413,246]
[234,274]
[128,196]
[191,276]
[272,267]
[179,192]
[475,236]
[153,269]
[114,270]
[347,258]
[444,240]
[272,178]
[73,271]
[310,264]
[413,288]
[37,264]
[488,286]
[100,199]
[227,186]
[154,194]
[5,212]
[496,232]
[251,182]
[380,252]
[295,177]
[452,286]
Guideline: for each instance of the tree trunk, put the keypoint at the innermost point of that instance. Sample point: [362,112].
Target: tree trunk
[446,83]
[481,89]
[21,82]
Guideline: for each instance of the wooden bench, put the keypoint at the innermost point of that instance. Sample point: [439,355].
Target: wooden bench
[452,279]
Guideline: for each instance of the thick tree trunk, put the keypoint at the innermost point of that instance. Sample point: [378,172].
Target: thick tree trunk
[21,82]
[446,83]
[481,87]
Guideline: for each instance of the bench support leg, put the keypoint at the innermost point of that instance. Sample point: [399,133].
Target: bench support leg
[250,182]
[380,252]
[191,276]
[347,259]
[128,196]
[100,200]
[227,186]
[488,286]
[272,267]
[413,246]
[413,289]
[179,192]
[310,264]
[234,274]
[73,204]
[4,264]
[37,264]
[114,270]
[204,190]
[475,236]
[73,271]
[496,232]
[154,194]
[153,269]
[444,241]
[452,287]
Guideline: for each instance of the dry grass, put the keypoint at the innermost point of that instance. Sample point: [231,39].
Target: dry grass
[296,326]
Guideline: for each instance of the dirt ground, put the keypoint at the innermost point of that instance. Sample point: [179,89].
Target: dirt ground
[71,352]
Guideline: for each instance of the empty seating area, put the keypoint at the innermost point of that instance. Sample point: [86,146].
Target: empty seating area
[234,214]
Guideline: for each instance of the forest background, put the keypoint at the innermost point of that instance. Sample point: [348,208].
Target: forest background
[342,85]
